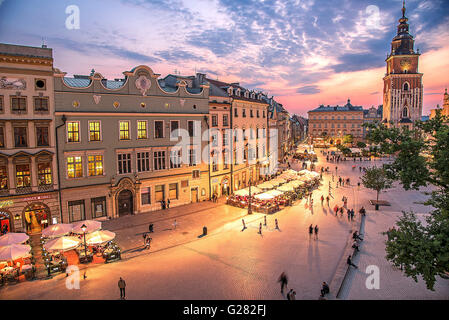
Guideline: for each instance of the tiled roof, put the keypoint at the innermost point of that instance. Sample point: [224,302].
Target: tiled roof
[346,107]
[77,82]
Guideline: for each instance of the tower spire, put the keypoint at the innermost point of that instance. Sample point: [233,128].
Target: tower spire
[403,9]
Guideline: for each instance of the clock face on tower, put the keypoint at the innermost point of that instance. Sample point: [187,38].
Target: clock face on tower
[405,63]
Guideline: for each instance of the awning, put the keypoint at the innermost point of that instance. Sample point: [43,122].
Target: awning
[13,238]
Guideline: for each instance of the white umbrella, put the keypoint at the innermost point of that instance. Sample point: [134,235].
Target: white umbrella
[57,230]
[275,193]
[265,185]
[99,236]
[286,188]
[14,251]
[264,196]
[62,244]
[91,226]
[13,238]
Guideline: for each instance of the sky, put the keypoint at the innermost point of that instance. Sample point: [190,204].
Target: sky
[303,52]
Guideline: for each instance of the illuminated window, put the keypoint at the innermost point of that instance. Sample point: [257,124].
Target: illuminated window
[3,178]
[23,176]
[74,167]
[142,132]
[173,191]
[2,137]
[44,174]
[73,131]
[159,193]
[94,131]
[95,163]
[124,130]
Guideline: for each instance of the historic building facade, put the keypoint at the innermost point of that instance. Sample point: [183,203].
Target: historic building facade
[403,87]
[248,133]
[445,109]
[329,124]
[372,115]
[119,147]
[280,129]
[28,167]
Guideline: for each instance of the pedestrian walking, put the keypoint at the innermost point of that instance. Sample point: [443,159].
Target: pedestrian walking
[311,203]
[339,180]
[260,228]
[349,214]
[316,232]
[144,238]
[148,243]
[265,220]
[122,286]
[341,212]
[291,295]
[327,199]
[168,203]
[362,211]
[324,289]
[352,214]
[175,224]
[244,225]
[150,227]
[276,223]
[336,210]
[283,280]
[350,263]
[310,231]
[322,200]
[355,245]
[348,182]
[356,236]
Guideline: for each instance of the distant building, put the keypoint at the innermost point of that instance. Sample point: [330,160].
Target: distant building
[329,124]
[299,128]
[445,110]
[371,115]
[278,119]
[403,87]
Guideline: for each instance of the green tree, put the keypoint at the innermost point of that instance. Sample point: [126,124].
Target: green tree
[421,159]
[361,144]
[376,179]
[348,139]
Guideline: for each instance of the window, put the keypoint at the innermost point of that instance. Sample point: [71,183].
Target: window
[215,163]
[173,191]
[158,129]
[236,113]
[184,183]
[244,113]
[20,136]
[159,192]
[42,136]
[195,174]
[405,113]
[263,113]
[159,160]
[251,114]
[143,161]
[41,104]
[142,132]
[406,86]
[225,138]
[2,137]
[258,114]
[23,176]
[44,174]
[74,167]
[124,163]
[192,157]
[175,159]
[1,104]
[18,104]
[214,120]
[3,178]
[174,125]
[124,130]
[215,139]
[191,128]
[73,131]
[95,163]
[94,130]
[225,120]
[98,207]
[145,195]
[76,210]
[226,159]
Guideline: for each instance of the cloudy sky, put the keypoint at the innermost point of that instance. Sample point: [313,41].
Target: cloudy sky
[304,52]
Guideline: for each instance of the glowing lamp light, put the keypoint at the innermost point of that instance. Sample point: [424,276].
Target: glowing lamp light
[84,228]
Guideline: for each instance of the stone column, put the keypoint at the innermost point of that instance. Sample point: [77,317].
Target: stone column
[33,168]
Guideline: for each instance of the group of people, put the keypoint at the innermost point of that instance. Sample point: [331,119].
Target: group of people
[312,231]
[165,204]
[283,280]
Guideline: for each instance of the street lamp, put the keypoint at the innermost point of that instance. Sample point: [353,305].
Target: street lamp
[84,228]
[250,211]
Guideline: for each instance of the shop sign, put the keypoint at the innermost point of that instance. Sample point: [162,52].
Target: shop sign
[37,198]
[6,203]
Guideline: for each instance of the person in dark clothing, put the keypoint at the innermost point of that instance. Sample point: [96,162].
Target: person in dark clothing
[356,236]
[122,286]
[168,203]
[310,231]
[324,289]
[283,281]
[316,232]
[349,262]
[355,245]
[150,227]
[144,238]
[362,211]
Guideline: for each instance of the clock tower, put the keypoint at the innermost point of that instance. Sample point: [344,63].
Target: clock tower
[403,88]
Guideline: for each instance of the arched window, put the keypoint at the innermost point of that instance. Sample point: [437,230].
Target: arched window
[406,86]
[405,113]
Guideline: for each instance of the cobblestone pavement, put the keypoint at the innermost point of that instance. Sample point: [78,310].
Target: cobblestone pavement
[228,263]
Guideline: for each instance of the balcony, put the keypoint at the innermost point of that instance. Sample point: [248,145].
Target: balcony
[4,192]
[45,188]
[23,190]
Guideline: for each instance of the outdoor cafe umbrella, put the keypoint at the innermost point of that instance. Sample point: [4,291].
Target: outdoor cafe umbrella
[264,196]
[265,185]
[99,236]
[286,188]
[91,226]
[13,238]
[14,251]
[62,244]
[57,230]
[275,193]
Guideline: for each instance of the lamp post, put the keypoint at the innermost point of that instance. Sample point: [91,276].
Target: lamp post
[250,211]
[84,228]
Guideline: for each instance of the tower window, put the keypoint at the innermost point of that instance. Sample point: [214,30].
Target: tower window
[405,113]
[406,86]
